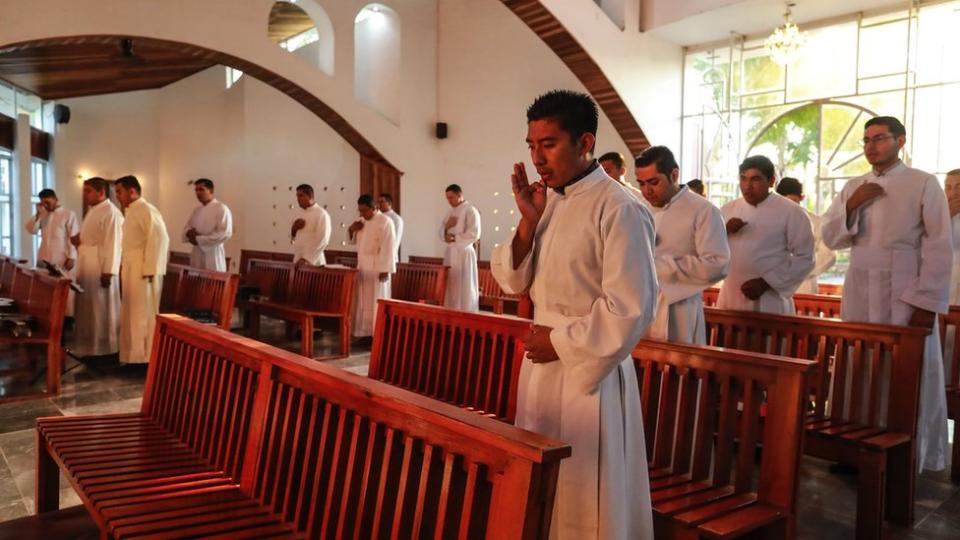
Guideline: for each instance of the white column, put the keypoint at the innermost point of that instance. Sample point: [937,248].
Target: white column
[22,172]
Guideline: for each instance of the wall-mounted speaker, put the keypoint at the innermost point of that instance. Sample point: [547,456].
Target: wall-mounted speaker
[441,130]
[61,114]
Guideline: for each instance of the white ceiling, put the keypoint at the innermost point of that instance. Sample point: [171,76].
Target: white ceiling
[752,17]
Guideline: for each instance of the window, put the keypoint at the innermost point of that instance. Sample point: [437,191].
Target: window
[39,180]
[303,28]
[6,202]
[233,75]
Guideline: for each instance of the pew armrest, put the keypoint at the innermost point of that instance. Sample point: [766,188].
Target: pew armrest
[741,522]
[886,441]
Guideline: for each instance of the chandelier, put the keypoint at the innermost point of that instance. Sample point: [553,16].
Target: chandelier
[786,42]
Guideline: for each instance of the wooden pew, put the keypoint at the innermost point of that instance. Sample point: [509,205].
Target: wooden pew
[420,283]
[171,281]
[829,289]
[950,344]
[849,428]
[206,291]
[181,258]
[702,421]
[312,293]
[421,259]
[7,268]
[473,360]
[810,305]
[266,279]
[44,299]
[247,255]
[348,261]
[494,298]
[236,439]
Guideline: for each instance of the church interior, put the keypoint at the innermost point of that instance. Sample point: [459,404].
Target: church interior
[311,326]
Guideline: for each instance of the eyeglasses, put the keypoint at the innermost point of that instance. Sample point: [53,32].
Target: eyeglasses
[877,139]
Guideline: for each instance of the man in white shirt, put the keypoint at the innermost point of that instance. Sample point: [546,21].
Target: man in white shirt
[771,244]
[896,222]
[584,251]
[691,251]
[310,231]
[385,203]
[459,230]
[208,229]
[615,166]
[56,226]
[824,257]
[376,261]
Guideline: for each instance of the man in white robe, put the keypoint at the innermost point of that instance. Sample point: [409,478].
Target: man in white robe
[385,204]
[310,231]
[896,220]
[97,311]
[824,257]
[771,244]
[144,263]
[208,229]
[691,247]
[614,165]
[952,190]
[56,226]
[584,251]
[376,261]
[459,230]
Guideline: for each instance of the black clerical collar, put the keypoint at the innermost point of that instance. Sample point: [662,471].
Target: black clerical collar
[586,172]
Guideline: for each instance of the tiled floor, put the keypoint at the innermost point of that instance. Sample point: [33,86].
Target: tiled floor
[827,502]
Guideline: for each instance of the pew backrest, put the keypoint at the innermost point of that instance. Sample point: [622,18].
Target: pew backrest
[207,290]
[332,452]
[171,283]
[950,345]
[420,283]
[247,255]
[422,259]
[817,305]
[319,288]
[47,303]
[272,278]
[179,257]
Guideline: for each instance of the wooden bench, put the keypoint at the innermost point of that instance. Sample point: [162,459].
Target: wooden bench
[830,289]
[420,259]
[950,344]
[425,283]
[247,255]
[206,292]
[702,421]
[44,299]
[312,293]
[348,261]
[236,439]
[7,268]
[849,427]
[181,258]
[266,279]
[494,298]
[473,360]
[171,281]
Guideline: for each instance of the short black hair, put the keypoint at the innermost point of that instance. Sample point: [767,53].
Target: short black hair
[130,182]
[387,197]
[98,184]
[895,126]
[954,172]
[790,186]
[47,194]
[696,185]
[306,188]
[366,199]
[205,182]
[615,157]
[576,113]
[760,163]
[659,155]
[454,188]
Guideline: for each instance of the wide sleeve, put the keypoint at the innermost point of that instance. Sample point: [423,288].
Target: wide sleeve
[157,245]
[593,345]
[399,225]
[471,229]
[386,259]
[512,280]
[443,227]
[711,260]
[190,225]
[35,223]
[222,231]
[930,289]
[71,228]
[787,276]
[837,228]
[110,247]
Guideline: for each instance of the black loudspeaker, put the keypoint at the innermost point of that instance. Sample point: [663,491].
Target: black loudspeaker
[441,130]
[61,114]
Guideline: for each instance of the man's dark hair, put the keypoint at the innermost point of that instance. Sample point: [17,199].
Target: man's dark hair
[954,172]
[576,113]
[129,182]
[790,186]
[47,194]
[895,126]
[454,188]
[659,155]
[760,163]
[98,184]
[696,185]
[387,197]
[306,189]
[205,182]
[366,199]
[615,157]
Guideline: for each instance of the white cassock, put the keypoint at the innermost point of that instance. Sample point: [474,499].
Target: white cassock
[900,258]
[955,279]
[145,247]
[313,238]
[376,254]
[214,224]
[776,244]
[55,229]
[691,255]
[592,278]
[97,310]
[463,286]
[397,228]
[824,257]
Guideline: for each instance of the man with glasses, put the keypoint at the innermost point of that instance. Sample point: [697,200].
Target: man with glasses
[896,221]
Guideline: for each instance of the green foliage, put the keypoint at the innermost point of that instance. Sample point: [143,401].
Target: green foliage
[795,135]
